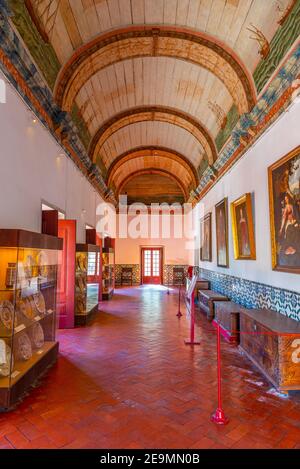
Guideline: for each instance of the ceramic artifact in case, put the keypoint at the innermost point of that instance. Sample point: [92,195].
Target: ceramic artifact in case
[108,273]
[28,279]
[86,293]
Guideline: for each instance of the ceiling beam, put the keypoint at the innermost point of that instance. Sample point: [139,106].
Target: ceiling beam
[154,113]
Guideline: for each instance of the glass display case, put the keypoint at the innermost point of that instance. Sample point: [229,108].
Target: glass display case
[86,285]
[28,285]
[108,273]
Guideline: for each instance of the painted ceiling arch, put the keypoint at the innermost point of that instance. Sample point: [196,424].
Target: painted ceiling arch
[150,172]
[151,41]
[151,157]
[70,24]
[201,58]
[153,113]
[148,133]
[154,81]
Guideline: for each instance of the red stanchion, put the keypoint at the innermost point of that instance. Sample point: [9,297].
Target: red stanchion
[179,313]
[191,340]
[219,416]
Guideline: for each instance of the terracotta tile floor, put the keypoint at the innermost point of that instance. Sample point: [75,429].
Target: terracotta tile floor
[128,381]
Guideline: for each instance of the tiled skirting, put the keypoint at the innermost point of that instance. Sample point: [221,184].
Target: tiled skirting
[136,269]
[168,273]
[253,294]
[136,273]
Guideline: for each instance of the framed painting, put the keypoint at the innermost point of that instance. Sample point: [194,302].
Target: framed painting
[243,228]
[206,245]
[284,198]
[221,211]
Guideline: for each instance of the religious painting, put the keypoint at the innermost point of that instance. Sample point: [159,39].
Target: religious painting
[221,211]
[206,248]
[284,197]
[243,229]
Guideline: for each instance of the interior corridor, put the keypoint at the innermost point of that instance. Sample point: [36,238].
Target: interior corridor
[129,381]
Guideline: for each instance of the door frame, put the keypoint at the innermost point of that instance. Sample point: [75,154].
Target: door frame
[162,250]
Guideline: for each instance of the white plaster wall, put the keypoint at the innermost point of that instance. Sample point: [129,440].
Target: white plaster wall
[177,250]
[31,172]
[250,175]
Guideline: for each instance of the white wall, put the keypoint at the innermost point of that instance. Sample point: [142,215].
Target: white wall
[31,172]
[250,175]
[176,250]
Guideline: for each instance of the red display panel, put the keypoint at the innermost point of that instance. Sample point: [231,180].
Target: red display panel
[66,282]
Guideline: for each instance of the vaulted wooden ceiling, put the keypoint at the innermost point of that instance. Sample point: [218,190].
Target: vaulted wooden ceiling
[156,81]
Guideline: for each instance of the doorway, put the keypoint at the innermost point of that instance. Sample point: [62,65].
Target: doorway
[152,260]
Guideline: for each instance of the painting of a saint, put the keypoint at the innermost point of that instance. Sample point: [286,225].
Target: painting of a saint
[243,230]
[206,248]
[222,233]
[284,193]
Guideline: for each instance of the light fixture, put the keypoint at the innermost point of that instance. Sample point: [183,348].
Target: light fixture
[60,155]
[83,211]
[34,120]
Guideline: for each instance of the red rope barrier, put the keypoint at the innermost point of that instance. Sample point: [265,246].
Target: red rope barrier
[219,416]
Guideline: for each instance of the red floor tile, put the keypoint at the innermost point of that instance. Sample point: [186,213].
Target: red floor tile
[128,381]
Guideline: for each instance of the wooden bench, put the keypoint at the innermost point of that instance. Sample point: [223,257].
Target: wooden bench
[272,342]
[227,315]
[206,299]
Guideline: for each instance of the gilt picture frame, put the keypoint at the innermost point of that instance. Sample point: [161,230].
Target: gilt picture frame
[221,214]
[284,203]
[243,228]
[206,243]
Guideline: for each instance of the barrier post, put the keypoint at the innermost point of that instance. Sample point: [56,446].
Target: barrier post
[191,340]
[219,416]
[179,313]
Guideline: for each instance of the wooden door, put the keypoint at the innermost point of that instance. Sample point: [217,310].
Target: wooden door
[152,265]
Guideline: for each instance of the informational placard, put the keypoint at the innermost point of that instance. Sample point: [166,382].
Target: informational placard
[191,289]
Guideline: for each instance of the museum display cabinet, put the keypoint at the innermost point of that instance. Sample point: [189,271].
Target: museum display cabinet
[86,292]
[272,342]
[28,288]
[108,273]
[206,300]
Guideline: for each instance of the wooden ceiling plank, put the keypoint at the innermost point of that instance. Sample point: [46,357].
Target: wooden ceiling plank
[153,11]
[138,11]
[125,11]
[170,9]
[128,67]
[138,78]
[224,26]
[61,40]
[114,13]
[204,13]
[103,15]
[238,21]
[182,12]
[215,16]
[120,77]
[71,23]
[193,11]
[87,18]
